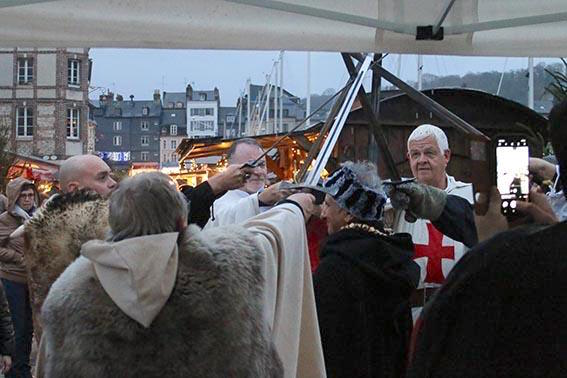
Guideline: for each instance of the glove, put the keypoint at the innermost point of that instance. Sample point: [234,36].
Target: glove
[419,200]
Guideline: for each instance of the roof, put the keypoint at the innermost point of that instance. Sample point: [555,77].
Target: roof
[471,27]
[210,95]
[131,108]
[174,97]
[226,110]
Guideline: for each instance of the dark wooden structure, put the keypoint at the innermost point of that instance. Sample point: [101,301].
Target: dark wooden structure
[398,116]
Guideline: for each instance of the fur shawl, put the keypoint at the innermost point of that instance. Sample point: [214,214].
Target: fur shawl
[54,237]
[211,326]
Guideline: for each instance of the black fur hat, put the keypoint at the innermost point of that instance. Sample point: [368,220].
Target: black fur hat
[366,202]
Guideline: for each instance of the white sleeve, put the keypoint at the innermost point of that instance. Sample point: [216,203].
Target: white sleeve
[233,212]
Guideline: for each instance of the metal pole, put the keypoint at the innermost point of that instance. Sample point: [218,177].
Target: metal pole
[419,71]
[531,82]
[276,98]
[281,90]
[308,105]
[442,16]
[248,101]
[239,132]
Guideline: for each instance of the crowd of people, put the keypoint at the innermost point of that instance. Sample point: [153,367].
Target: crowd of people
[141,279]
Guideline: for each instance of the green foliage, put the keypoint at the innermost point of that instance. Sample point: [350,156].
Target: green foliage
[558,87]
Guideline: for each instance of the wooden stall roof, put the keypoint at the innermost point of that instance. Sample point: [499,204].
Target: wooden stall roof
[197,148]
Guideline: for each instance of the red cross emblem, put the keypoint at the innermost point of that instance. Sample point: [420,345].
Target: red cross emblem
[434,251]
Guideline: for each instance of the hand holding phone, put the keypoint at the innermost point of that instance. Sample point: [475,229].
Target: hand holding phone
[512,173]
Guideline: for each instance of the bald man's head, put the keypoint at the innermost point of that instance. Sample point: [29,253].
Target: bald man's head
[86,171]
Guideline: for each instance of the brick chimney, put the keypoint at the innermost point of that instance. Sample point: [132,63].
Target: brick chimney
[189,92]
[157,97]
[216,93]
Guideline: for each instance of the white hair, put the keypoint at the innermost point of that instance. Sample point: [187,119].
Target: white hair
[426,130]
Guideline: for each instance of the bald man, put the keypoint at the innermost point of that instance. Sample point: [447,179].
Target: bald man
[86,172]
[65,222]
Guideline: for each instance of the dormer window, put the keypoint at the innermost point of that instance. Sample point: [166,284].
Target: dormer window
[173,130]
[203,97]
[179,105]
[145,111]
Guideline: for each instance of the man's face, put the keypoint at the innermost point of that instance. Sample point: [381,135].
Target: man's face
[97,177]
[428,163]
[335,216]
[247,153]
[26,200]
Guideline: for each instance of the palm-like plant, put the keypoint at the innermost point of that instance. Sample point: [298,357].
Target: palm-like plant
[558,87]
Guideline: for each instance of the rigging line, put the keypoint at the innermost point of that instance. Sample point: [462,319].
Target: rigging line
[349,82]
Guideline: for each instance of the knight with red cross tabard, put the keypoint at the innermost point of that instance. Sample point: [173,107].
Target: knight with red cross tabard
[439,210]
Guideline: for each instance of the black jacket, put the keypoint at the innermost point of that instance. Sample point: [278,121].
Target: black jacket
[6,328]
[502,311]
[362,290]
[200,200]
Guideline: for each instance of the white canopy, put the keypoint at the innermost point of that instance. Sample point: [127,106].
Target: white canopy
[472,27]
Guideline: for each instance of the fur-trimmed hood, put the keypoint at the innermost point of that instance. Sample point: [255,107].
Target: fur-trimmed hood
[54,236]
[211,326]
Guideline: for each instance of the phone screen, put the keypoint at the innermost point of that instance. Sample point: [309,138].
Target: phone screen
[512,158]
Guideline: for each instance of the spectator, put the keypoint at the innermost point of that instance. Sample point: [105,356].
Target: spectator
[23,199]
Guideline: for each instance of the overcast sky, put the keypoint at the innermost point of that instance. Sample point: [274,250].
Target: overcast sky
[139,71]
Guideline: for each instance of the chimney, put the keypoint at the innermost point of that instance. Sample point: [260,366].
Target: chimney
[157,99]
[110,96]
[216,93]
[119,97]
[189,92]
[132,100]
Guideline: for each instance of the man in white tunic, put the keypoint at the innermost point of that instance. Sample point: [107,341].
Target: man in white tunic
[435,253]
[240,204]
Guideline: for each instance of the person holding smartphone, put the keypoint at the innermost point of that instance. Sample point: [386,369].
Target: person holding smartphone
[503,310]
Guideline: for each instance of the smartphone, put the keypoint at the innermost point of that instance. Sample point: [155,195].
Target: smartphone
[512,174]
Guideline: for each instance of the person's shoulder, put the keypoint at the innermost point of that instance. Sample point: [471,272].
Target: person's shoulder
[220,246]
[72,283]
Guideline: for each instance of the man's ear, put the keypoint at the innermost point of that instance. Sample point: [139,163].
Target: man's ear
[447,155]
[72,186]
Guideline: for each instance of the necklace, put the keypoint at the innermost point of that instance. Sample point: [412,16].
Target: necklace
[364,227]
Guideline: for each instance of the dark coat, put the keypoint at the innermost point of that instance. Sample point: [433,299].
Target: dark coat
[362,289]
[6,328]
[502,311]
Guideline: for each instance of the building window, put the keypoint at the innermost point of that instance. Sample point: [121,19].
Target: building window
[73,72]
[25,70]
[173,115]
[173,130]
[145,125]
[165,158]
[173,144]
[117,140]
[203,97]
[25,122]
[170,105]
[117,125]
[145,140]
[179,104]
[145,110]
[164,144]
[73,123]
[286,112]
[202,125]
[174,157]
[145,156]
[201,112]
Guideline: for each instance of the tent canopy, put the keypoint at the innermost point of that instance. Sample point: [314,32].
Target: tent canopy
[471,27]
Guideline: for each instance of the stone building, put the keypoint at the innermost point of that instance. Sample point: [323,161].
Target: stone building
[44,99]
[127,131]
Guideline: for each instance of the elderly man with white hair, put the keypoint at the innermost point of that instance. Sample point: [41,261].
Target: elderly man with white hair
[443,204]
